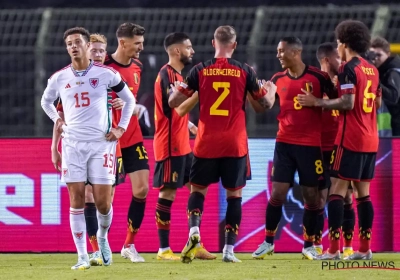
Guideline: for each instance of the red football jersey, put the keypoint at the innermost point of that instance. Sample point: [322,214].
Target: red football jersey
[131,74]
[118,152]
[297,124]
[222,85]
[358,129]
[330,125]
[171,137]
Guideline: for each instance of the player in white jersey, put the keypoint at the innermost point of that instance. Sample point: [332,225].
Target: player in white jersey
[88,147]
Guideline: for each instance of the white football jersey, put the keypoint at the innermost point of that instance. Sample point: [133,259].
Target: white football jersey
[86,102]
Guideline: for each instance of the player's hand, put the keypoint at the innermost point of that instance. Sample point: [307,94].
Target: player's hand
[307,99]
[193,130]
[269,86]
[60,124]
[335,80]
[56,159]
[118,104]
[174,86]
[115,134]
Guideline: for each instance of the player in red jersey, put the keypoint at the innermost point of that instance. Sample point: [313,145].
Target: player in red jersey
[220,149]
[172,150]
[330,61]
[357,140]
[134,155]
[97,52]
[298,144]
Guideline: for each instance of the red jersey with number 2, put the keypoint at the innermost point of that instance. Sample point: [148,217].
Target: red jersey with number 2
[358,129]
[222,85]
[131,75]
[300,125]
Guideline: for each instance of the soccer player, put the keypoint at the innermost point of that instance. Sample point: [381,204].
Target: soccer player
[220,150]
[357,140]
[88,146]
[171,141]
[298,144]
[134,155]
[96,52]
[329,60]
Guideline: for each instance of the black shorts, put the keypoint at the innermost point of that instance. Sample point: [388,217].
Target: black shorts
[353,166]
[231,170]
[307,160]
[119,172]
[326,159]
[135,158]
[172,172]
[248,174]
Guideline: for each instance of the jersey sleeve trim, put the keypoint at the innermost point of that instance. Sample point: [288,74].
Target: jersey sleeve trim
[118,87]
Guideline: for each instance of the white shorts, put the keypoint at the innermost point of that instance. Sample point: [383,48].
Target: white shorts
[93,161]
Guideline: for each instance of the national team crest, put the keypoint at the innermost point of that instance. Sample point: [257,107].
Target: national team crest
[136,78]
[64,171]
[94,82]
[175,177]
[78,235]
[309,87]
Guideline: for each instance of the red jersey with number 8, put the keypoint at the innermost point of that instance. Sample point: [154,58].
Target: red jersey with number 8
[358,129]
[222,85]
[300,125]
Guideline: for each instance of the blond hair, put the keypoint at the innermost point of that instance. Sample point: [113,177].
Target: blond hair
[98,38]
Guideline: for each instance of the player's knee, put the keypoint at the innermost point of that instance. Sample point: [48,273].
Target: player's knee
[103,207]
[167,193]
[279,191]
[140,189]
[310,195]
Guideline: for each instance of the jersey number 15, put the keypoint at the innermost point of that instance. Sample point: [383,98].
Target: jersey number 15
[82,100]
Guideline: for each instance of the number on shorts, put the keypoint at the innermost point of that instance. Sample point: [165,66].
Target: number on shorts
[214,111]
[296,104]
[84,100]
[108,160]
[120,165]
[335,113]
[368,95]
[332,157]
[318,167]
[142,152]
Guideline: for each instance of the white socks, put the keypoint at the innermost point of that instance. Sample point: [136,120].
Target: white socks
[228,248]
[78,228]
[194,230]
[104,223]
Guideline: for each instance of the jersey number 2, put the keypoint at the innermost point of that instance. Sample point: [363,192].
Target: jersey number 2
[214,111]
[82,100]
[368,95]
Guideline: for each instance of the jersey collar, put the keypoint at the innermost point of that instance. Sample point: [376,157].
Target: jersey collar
[76,73]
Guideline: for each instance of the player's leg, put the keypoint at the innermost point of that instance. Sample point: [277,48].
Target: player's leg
[92,226]
[311,175]
[365,210]
[348,223]
[101,173]
[136,165]
[74,173]
[322,194]
[282,178]
[233,179]
[346,167]
[168,176]
[203,173]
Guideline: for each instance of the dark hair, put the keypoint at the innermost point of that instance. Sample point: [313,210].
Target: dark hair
[293,41]
[129,30]
[175,38]
[225,34]
[77,30]
[355,34]
[325,50]
[381,43]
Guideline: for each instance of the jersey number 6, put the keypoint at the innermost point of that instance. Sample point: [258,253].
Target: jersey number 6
[368,95]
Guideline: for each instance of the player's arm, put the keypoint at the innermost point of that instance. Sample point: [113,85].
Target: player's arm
[192,128]
[56,133]
[261,95]
[125,94]
[184,90]
[347,82]
[378,99]
[50,95]
[187,105]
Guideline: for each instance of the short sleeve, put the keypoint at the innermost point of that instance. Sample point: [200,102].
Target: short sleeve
[347,79]
[191,83]
[115,79]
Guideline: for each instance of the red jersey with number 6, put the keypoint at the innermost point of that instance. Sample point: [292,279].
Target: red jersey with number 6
[300,125]
[358,129]
[222,85]
[130,74]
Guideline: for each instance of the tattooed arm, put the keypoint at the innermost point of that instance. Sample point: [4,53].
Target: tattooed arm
[345,102]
